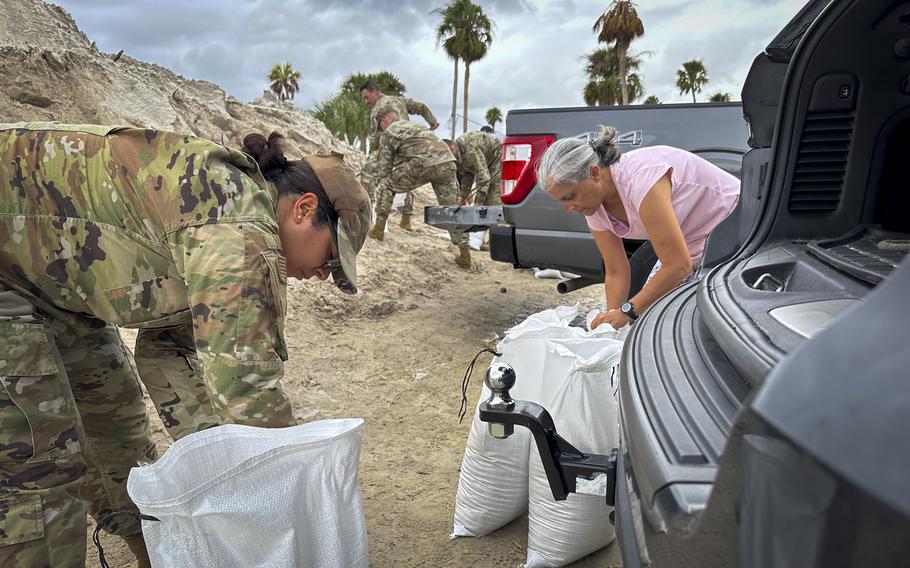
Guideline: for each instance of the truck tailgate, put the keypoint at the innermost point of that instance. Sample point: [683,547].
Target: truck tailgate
[465,218]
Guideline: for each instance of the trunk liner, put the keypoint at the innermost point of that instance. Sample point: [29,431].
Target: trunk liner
[867,252]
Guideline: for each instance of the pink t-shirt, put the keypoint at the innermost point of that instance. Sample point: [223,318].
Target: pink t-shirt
[702,194]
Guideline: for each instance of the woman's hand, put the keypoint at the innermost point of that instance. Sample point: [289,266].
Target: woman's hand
[615,318]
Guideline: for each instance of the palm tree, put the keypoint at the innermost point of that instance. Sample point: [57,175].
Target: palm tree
[652,100]
[285,81]
[604,85]
[494,115]
[388,83]
[465,33]
[620,25]
[720,97]
[346,117]
[692,77]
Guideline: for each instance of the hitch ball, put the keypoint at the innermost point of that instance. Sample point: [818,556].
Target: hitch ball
[500,378]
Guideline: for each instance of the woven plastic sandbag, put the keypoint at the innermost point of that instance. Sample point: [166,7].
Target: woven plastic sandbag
[493,484]
[238,496]
[580,394]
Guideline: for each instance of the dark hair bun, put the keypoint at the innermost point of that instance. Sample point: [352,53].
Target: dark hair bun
[605,145]
[269,154]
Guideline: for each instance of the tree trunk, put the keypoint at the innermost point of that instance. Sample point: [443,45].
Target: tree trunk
[454,97]
[621,50]
[467,78]
[693,94]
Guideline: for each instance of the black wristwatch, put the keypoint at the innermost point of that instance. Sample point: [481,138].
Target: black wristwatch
[629,310]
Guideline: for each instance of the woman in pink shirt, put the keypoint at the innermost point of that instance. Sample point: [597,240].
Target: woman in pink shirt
[668,196]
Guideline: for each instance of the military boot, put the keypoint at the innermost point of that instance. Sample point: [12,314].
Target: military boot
[406,222]
[137,547]
[378,230]
[463,258]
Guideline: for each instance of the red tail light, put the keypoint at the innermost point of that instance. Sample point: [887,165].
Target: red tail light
[520,156]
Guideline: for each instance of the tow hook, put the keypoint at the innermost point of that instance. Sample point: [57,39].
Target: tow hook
[568,469]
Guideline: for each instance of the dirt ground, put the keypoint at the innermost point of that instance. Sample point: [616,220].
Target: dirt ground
[395,355]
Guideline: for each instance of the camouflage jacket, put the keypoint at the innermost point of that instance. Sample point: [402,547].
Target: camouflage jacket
[143,228]
[403,107]
[406,142]
[479,154]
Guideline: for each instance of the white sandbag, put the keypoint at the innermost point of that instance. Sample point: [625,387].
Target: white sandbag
[580,394]
[475,239]
[236,495]
[493,484]
[554,274]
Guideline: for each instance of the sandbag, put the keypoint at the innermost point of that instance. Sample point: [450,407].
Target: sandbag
[235,495]
[580,394]
[493,484]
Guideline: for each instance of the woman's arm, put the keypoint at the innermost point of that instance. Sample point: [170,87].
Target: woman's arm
[667,238]
[617,273]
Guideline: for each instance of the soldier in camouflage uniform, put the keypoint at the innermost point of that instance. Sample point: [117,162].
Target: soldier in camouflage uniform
[409,156]
[380,105]
[188,240]
[479,159]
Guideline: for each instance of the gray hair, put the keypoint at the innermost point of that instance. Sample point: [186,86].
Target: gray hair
[569,160]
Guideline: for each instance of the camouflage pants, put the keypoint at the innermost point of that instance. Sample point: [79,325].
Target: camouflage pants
[493,194]
[410,176]
[72,424]
[490,195]
[368,181]
[172,375]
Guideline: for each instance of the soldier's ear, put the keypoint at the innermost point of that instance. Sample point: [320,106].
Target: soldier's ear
[305,205]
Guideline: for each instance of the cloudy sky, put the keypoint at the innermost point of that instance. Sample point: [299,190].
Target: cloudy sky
[535,59]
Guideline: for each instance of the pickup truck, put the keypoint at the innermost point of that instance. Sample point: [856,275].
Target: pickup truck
[532,230]
[764,406]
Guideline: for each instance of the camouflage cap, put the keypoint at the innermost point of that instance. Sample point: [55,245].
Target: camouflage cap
[352,205]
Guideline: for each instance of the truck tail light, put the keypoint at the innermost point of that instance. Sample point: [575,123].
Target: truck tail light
[520,156]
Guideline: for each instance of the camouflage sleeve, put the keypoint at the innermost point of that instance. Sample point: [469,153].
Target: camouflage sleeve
[375,133]
[478,166]
[466,183]
[236,286]
[374,141]
[417,107]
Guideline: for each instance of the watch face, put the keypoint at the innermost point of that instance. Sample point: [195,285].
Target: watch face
[625,308]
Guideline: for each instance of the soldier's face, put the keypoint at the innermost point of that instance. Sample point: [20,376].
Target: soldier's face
[306,247]
[370,97]
[388,119]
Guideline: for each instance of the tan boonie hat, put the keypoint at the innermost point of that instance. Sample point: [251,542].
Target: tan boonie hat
[352,206]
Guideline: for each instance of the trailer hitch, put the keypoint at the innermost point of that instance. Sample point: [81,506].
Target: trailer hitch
[568,469]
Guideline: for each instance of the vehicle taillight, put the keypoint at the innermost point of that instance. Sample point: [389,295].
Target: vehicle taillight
[520,156]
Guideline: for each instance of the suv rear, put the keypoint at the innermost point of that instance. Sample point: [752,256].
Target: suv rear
[727,454]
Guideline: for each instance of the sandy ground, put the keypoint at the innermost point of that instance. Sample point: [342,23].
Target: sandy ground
[395,356]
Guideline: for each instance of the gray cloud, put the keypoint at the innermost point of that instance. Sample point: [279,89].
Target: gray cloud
[534,60]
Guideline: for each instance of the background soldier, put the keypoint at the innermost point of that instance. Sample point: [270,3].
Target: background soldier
[402,106]
[103,227]
[409,156]
[479,159]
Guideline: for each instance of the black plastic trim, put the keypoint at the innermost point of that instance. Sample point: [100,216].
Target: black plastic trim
[502,244]
[625,526]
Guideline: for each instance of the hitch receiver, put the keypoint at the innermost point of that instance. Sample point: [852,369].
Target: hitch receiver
[568,469]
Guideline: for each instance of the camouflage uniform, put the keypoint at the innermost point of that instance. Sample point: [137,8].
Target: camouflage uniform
[480,165]
[403,107]
[409,156]
[104,226]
